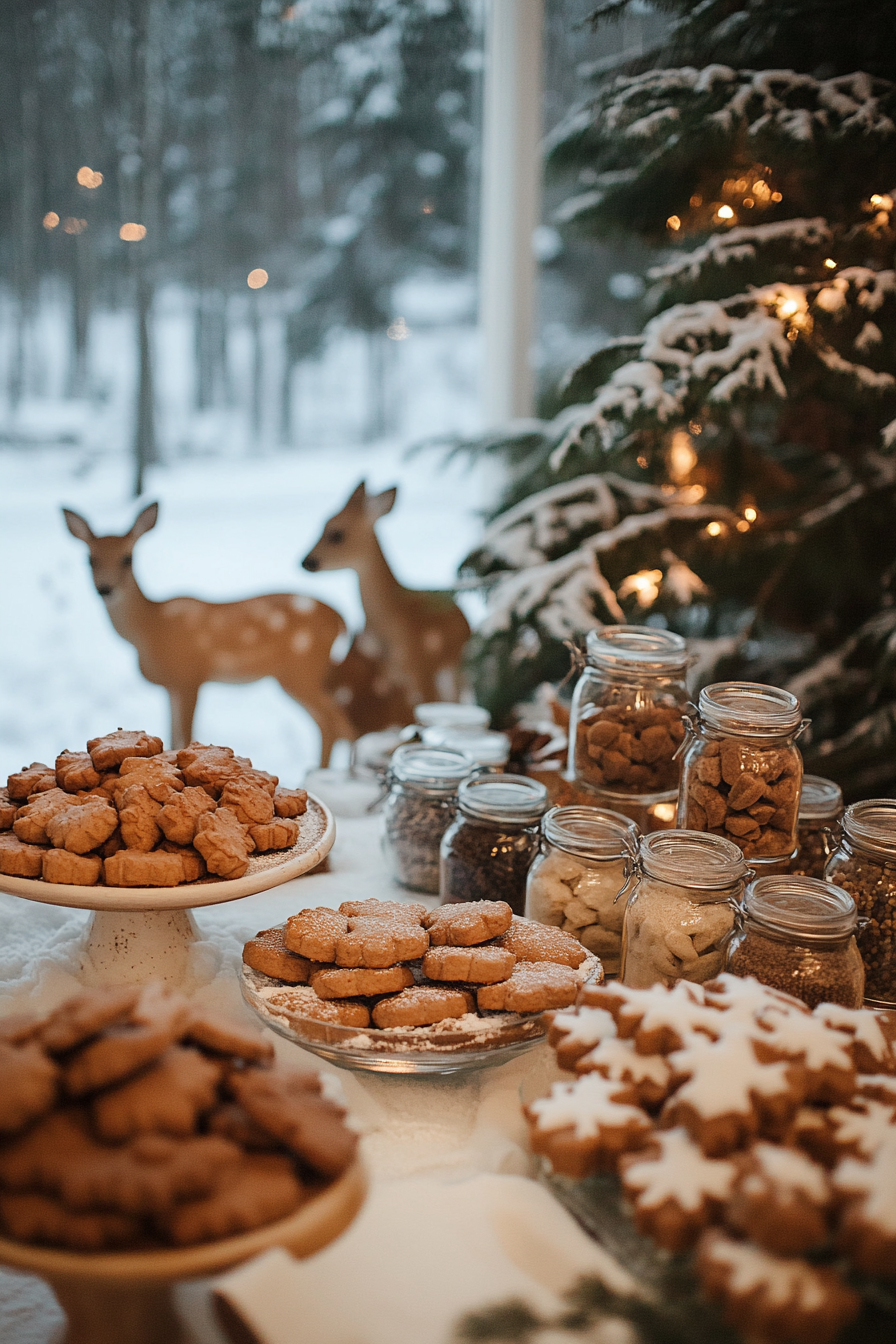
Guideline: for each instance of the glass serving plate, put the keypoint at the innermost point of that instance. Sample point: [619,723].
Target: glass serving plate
[469,1042]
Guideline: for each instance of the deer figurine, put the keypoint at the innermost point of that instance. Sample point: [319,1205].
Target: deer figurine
[184,642]
[411,647]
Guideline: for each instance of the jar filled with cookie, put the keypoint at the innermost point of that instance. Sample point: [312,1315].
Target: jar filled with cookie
[864,864]
[680,917]
[797,934]
[420,806]
[626,720]
[587,859]
[742,770]
[489,848]
[818,825]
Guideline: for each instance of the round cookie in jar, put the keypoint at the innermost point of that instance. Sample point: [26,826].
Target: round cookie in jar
[798,935]
[626,719]
[818,826]
[864,864]
[742,770]
[577,882]
[681,915]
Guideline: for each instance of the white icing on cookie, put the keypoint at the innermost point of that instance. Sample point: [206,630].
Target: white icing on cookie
[867,1124]
[741,998]
[788,1171]
[619,1060]
[723,1076]
[875,1183]
[807,1039]
[679,1172]
[680,1008]
[585,1027]
[782,1282]
[860,1023]
[881,1083]
[588,1105]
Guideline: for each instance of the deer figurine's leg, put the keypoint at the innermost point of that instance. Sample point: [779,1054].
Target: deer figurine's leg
[183,707]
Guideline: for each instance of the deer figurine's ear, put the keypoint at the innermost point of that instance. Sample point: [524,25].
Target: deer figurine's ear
[144,521]
[78,526]
[379,505]
[358,495]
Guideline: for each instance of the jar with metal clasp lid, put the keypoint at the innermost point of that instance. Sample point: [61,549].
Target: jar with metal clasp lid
[587,859]
[864,864]
[488,850]
[681,913]
[742,770]
[818,826]
[798,935]
[484,746]
[419,807]
[626,723]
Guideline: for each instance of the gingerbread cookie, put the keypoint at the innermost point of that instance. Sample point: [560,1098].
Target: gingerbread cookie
[530,988]
[210,767]
[180,815]
[662,1021]
[134,868]
[267,952]
[825,1055]
[421,1006]
[313,933]
[289,1106]
[75,771]
[675,1191]
[290,802]
[282,833]
[373,909]
[230,1121]
[33,778]
[305,1003]
[167,1098]
[18,859]
[155,1023]
[262,1189]
[867,1230]
[250,804]
[540,942]
[584,1127]
[871,1051]
[30,824]
[380,942]
[86,1015]
[108,752]
[42,1219]
[77,870]
[573,1034]
[859,1129]
[224,1036]
[224,843]
[483,965]
[468,923]
[344,983]
[149,1175]
[29,1083]
[138,814]
[161,778]
[781,1199]
[8,810]
[82,826]
[649,1075]
[193,865]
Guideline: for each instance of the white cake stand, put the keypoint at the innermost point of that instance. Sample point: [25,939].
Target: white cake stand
[136,934]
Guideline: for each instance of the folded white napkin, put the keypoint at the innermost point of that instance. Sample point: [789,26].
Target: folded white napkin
[420,1255]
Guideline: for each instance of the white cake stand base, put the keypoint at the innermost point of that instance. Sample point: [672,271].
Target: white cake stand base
[134,948]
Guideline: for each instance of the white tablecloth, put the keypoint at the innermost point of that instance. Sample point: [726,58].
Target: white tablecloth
[451,1205]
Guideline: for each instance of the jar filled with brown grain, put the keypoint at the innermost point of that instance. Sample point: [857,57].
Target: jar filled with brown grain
[488,850]
[864,864]
[626,720]
[742,770]
[419,807]
[818,827]
[798,935]
[680,915]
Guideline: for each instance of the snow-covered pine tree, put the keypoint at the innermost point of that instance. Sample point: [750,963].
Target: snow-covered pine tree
[730,471]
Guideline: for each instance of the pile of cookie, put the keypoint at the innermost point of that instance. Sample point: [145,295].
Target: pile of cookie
[395,965]
[745,1125]
[749,794]
[630,750]
[126,813]
[131,1119]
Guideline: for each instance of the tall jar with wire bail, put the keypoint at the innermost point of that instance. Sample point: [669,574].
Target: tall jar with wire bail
[681,915]
[742,770]
[587,860]
[489,848]
[864,864]
[419,807]
[626,722]
[818,826]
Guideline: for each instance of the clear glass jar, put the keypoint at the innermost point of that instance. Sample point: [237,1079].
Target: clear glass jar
[818,826]
[420,806]
[680,916]
[448,714]
[798,934]
[742,769]
[483,746]
[488,850]
[864,864]
[626,721]
[587,858]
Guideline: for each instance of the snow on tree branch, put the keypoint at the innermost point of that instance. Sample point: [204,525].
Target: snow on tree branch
[742,244]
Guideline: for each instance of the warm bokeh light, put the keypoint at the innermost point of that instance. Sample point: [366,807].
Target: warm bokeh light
[695,427]
[257,279]
[696,202]
[50,220]
[714,529]
[427,208]
[724,212]
[761,190]
[90,179]
[751,515]
[644,586]
[398,330]
[883,202]
[663,811]
[72,225]
[776,196]
[830,263]
[132,233]
[682,458]
[787,308]
[749,202]
[742,525]
[642,461]
[673,223]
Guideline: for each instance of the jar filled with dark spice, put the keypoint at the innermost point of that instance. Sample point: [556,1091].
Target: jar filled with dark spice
[420,806]
[864,864]
[489,848]
[818,827]
[798,935]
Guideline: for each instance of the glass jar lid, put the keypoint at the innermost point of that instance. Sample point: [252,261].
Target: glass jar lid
[435,769]
[513,799]
[636,648]
[750,709]
[820,800]
[446,714]
[591,832]
[871,826]
[482,745]
[801,907]
[692,859]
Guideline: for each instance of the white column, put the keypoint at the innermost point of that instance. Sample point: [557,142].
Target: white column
[511,201]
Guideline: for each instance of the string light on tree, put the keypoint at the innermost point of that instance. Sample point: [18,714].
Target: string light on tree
[87,177]
[74,226]
[132,233]
[50,220]
[643,586]
[257,279]
[682,458]
[830,263]
[725,213]
[398,330]
[673,223]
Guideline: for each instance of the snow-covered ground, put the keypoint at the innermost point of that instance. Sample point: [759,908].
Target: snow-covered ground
[227,529]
